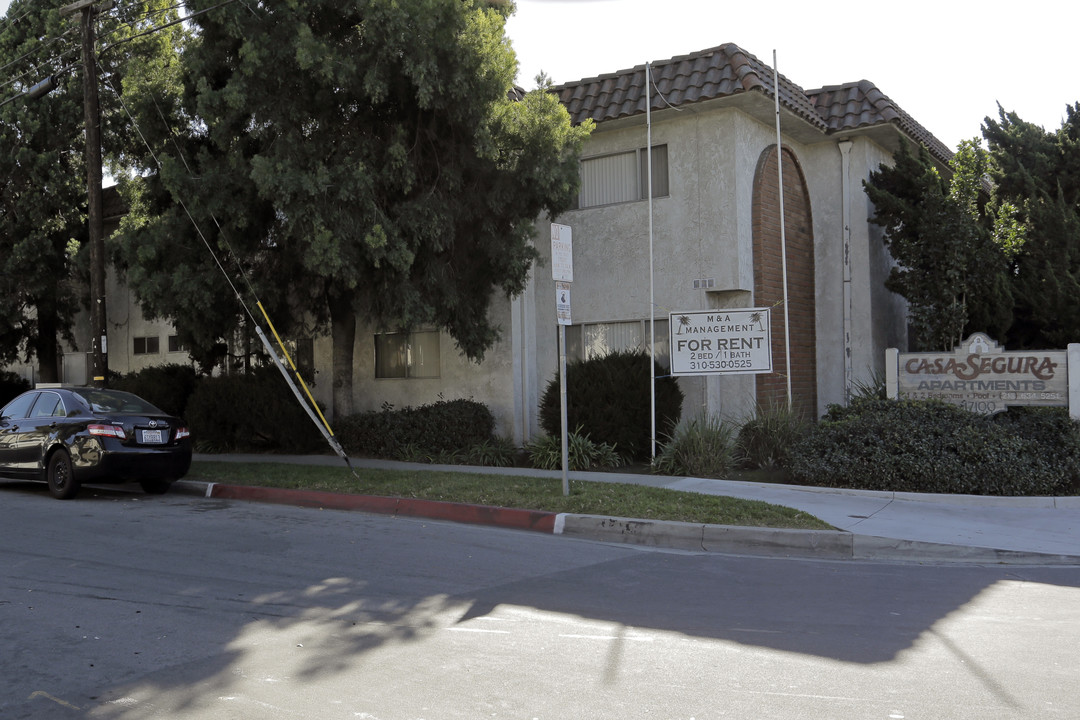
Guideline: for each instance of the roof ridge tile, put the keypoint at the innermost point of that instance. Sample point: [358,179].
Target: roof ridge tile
[727,70]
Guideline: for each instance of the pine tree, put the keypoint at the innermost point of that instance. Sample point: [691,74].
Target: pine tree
[1039,173]
[951,264]
[365,159]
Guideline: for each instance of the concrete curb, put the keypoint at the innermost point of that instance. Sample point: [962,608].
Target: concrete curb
[696,537]
[783,543]
[409,507]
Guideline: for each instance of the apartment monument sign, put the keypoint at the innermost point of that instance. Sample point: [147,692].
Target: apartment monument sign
[980,376]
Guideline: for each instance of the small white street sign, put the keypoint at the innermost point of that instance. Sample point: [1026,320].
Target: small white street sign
[562,302]
[562,253]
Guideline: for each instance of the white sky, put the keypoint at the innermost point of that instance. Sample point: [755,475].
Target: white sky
[947,63]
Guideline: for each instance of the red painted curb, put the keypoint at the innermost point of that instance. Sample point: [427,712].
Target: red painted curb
[538,520]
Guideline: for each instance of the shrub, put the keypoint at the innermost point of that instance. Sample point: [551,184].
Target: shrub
[1051,439]
[581,452]
[608,398]
[496,452]
[167,386]
[255,411]
[701,447]
[11,385]
[931,446]
[765,440]
[437,431]
[872,386]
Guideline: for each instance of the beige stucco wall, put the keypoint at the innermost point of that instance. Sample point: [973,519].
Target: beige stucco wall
[880,315]
[704,231]
[490,382]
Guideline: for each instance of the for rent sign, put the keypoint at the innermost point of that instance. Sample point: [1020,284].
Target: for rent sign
[720,341]
[978,375]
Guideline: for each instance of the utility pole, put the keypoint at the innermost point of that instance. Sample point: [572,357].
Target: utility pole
[92,115]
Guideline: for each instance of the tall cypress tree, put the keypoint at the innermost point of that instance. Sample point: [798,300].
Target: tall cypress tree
[950,267]
[1039,172]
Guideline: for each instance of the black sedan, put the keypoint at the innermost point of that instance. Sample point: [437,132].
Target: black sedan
[68,436]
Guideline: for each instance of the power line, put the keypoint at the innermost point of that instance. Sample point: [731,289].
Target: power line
[136,21]
[66,65]
[39,48]
[36,71]
[13,21]
[51,67]
[159,28]
[61,58]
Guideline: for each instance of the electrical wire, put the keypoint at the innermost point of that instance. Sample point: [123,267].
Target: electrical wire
[183,205]
[41,46]
[166,25]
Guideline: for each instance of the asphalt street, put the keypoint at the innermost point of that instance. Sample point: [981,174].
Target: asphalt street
[123,606]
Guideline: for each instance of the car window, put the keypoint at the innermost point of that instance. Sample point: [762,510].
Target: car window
[48,404]
[20,406]
[115,401]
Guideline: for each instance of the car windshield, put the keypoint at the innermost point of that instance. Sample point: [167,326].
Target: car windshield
[115,401]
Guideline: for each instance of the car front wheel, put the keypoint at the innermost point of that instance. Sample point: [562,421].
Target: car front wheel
[62,483]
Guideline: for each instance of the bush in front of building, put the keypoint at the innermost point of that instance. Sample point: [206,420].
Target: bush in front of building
[444,430]
[581,453]
[252,412]
[608,398]
[167,386]
[703,446]
[934,447]
[764,441]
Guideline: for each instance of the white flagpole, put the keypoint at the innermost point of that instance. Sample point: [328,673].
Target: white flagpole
[783,234]
[652,301]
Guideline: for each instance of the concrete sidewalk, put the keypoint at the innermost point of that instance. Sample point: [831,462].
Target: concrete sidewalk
[872,525]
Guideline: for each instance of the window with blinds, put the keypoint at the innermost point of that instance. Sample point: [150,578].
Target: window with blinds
[623,177]
[591,340]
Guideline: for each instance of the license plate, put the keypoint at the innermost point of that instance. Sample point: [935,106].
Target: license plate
[152,437]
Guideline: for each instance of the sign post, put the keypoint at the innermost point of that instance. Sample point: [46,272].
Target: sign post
[562,272]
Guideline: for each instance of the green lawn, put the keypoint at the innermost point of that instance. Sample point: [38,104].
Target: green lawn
[589,498]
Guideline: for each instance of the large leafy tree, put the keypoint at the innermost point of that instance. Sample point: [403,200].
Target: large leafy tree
[365,159]
[43,188]
[1039,172]
[43,195]
[951,249]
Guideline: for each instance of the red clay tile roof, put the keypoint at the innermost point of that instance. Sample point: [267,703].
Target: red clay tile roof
[861,104]
[726,71]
